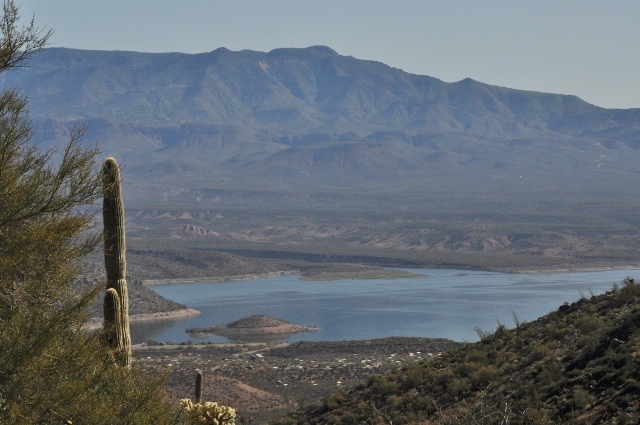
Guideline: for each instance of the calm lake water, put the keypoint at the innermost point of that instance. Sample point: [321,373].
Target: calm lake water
[440,304]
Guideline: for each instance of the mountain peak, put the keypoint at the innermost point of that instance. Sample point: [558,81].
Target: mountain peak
[317,51]
[220,50]
[322,50]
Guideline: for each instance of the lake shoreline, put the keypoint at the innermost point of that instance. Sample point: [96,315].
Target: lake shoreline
[443,303]
[96,322]
[586,268]
[211,279]
[358,274]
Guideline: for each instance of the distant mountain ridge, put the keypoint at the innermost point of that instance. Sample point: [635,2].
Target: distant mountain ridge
[308,90]
[317,116]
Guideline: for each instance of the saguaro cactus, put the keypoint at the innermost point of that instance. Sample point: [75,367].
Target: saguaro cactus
[116,323]
[113,316]
[199,387]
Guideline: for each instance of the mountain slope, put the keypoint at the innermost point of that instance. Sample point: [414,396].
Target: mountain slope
[579,364]
[304,90]
[312,118]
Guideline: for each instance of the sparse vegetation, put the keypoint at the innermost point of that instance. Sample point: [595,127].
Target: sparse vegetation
[578,365]
[286,375]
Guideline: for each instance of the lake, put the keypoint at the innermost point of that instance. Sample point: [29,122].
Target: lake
[440,304]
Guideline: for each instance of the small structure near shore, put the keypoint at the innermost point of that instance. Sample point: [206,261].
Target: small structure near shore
[256,327]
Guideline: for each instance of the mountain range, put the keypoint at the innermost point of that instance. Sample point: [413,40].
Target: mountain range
[188,125]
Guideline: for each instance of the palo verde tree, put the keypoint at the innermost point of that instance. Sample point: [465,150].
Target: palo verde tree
[52,370]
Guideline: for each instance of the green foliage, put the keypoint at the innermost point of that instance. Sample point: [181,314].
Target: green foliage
[500,332]
[333,401]
[483,334]
[516,319]
[630,290]
[539,352]
[52,370]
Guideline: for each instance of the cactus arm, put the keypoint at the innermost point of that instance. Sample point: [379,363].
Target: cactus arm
[112,317]
[115,250]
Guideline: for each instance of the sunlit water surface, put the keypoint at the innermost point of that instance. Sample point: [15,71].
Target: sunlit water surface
[440,304]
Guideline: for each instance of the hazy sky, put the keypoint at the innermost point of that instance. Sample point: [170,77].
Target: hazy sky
[587,48]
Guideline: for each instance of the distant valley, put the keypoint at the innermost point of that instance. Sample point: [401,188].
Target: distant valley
[304,152]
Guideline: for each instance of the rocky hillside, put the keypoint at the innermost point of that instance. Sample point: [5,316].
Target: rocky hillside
[577,365]
[141,299]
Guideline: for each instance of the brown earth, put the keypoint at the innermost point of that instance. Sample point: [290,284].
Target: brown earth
[288,375]
[229,392]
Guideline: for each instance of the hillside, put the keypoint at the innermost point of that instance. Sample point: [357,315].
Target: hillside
[312,119]
[142,301]
[579,364]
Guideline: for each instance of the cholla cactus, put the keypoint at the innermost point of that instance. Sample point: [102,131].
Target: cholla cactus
[114,260]
[208,414]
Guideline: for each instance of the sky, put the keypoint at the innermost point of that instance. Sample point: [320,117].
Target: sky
[587,48]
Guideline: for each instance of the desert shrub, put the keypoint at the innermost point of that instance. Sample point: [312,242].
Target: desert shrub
[539,352]
[465,369]
[536,417]
[411,378]
[629,291]
[476,356]
[587,323]
[483,334]
[555,331]
[386,387]
[444,377]
[588,340]
[502,331]
[580,399]
[460,386]
[348,418]
[516,319]
[393,401]
[333,401]
[484,376]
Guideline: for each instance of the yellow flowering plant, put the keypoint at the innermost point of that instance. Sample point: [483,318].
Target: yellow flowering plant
[209,414]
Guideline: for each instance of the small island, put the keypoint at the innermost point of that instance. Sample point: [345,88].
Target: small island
[256,327]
